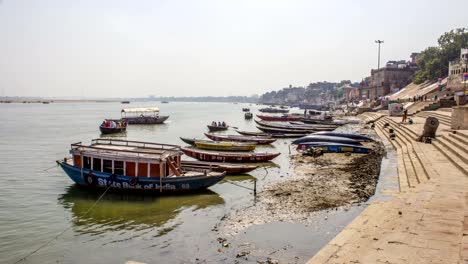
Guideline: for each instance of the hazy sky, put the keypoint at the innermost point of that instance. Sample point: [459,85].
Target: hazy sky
[190,48]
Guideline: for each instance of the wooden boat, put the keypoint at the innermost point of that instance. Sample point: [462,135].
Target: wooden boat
[273,110]
[275,131]
[305,127]
[263,134]
[248,115]
[205,155]
[148,115]
[230,169]
[320,138]
[283,118]
[358,137]
[125,102]
[236,138]
[225,145]
[164,102]
[333,147]
[217,128]
[323,121]
[112,126]
[191,141]
[141,167]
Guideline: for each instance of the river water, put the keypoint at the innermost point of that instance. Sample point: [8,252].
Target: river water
[40,207]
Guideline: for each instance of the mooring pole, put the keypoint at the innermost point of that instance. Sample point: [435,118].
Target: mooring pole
[255,187]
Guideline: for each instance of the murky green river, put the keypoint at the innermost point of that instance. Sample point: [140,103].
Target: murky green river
[38,201]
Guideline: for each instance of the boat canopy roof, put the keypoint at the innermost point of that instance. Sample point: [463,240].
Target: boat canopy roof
[126,150]
[140,110]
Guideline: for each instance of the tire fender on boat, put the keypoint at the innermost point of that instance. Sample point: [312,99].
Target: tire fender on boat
[133,181]
[89,178]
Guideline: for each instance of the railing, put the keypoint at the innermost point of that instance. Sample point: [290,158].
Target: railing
[164,148]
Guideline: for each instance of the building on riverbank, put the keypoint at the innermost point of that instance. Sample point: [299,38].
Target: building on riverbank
[457,69]
[389,79]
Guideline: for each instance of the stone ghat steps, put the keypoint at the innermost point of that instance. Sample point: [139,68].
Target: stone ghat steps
[370,117]
[443,119]
[454,150]
[412,166]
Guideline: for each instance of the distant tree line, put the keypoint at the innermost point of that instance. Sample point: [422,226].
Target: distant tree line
[433,62]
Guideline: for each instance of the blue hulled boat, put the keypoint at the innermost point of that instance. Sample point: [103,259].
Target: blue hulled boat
[141,167]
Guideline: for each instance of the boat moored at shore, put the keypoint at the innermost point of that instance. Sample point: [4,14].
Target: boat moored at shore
[204,155]
[134,166]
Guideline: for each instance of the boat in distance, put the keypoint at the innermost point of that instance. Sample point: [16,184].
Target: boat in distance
[225,145]
[133,166]
[148,115]
[229,168]
[263,134]
[238,138]
[307,127]
[248,115]
[113,126]
[273,110]
[283,131]
[284,118]
[205,155]
[212,128]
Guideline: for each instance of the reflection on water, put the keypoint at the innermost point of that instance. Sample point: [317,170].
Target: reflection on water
[120,212]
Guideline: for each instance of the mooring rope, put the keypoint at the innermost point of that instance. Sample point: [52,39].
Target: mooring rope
[233,183]
[63,231]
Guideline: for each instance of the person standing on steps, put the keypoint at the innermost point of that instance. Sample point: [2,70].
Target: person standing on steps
[405,115]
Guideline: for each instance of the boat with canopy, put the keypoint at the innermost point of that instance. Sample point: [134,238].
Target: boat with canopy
[136,166]
[143,115]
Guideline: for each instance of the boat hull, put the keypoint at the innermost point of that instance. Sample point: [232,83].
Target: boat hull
[229,157]
[230,169]
[224,146]
[274,131]
[217,128]
[248,139]
[279,118]
[345,135]
[108,130]
[337,148]
[147,120]
[96,179]
[320,138]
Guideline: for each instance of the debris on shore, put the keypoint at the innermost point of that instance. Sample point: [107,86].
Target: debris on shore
[326,182]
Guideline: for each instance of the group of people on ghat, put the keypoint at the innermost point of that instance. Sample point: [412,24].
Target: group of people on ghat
[219,124]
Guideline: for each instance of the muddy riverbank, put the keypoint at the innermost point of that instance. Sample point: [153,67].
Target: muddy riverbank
[327,182]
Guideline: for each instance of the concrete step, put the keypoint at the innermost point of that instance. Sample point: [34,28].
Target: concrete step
[414,153]
[414,171]
[408,130]
[460,164]
[446,120]
[461,134]
[460,139]
[457,149]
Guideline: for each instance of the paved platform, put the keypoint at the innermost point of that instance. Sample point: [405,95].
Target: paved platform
[427,221]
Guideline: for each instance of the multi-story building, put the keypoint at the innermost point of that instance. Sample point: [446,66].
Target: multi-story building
[456,70]
[394,76]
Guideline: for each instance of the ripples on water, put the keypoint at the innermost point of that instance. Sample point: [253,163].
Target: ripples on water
[38,200]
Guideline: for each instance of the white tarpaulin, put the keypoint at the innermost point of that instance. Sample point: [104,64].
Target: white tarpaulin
[395,109]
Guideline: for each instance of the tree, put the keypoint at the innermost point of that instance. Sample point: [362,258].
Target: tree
[433,62]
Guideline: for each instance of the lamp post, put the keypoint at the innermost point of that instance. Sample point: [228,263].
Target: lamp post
[378,62]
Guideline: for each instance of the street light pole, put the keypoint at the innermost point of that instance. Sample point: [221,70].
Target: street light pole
[378,62]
